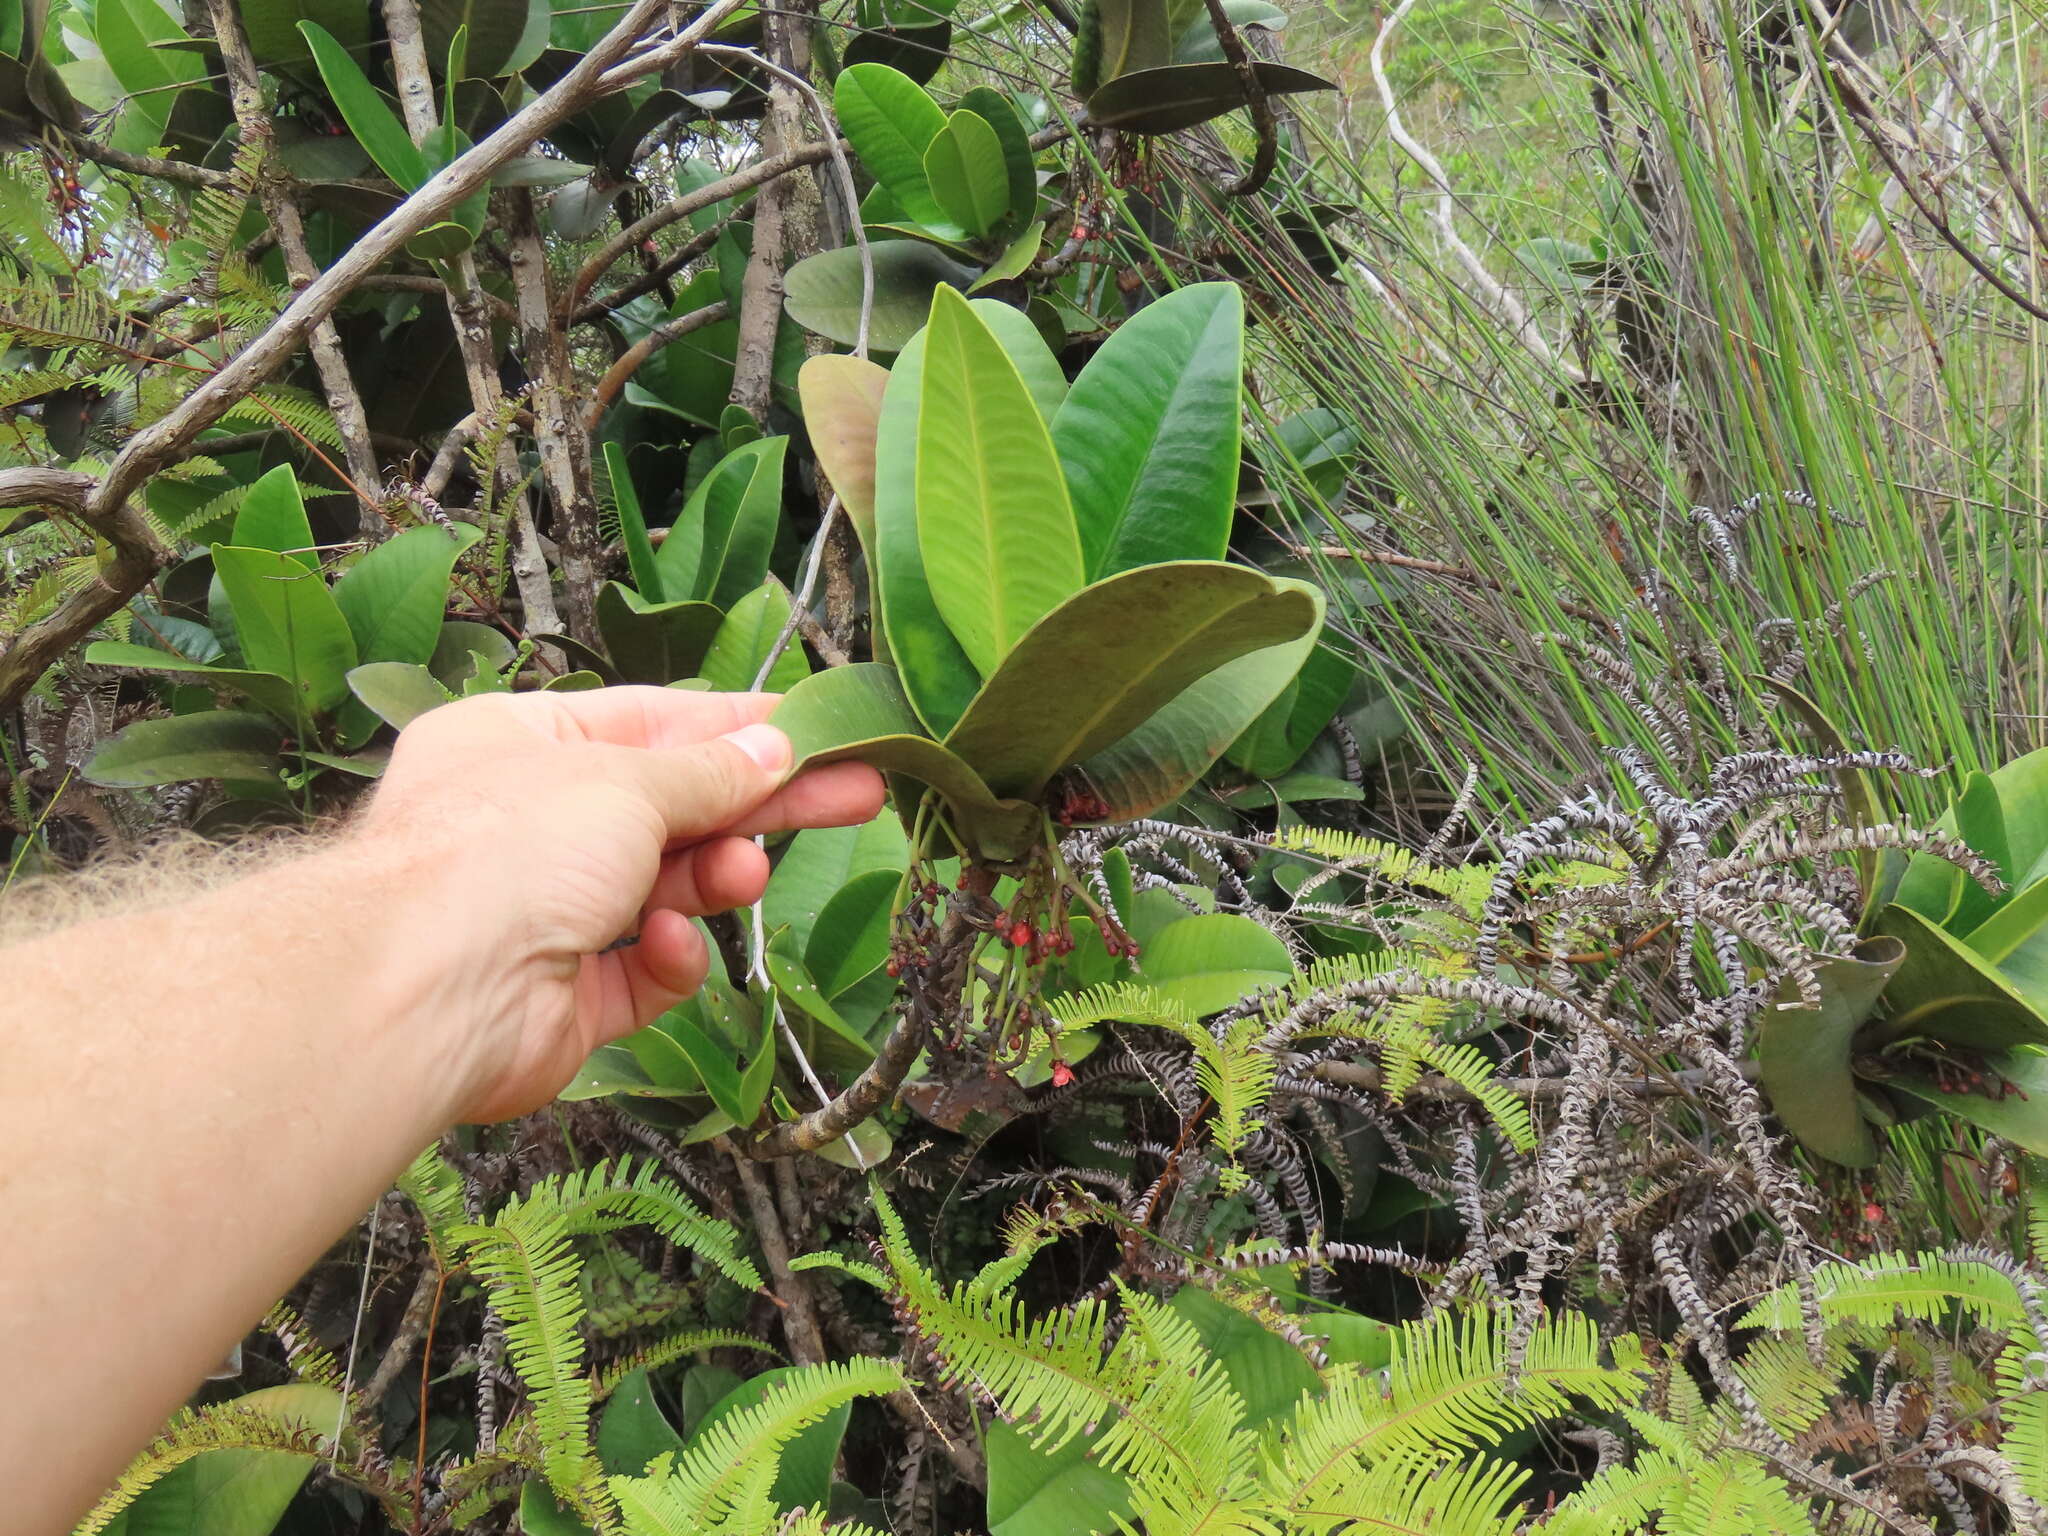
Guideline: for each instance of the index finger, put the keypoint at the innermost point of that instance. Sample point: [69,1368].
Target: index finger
[638,715]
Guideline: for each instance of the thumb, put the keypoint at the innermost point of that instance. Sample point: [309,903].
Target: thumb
[711,784]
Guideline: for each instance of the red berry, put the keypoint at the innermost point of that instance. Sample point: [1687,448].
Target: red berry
[1062,1074]
[1020,934]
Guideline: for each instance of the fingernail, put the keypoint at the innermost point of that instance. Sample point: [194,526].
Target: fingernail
[767,746]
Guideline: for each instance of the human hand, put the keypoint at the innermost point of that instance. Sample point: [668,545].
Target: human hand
[552,824]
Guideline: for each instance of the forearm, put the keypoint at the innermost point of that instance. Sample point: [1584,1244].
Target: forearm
[198,1101]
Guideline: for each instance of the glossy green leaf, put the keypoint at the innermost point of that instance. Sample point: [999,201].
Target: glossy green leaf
[273,516]
[539,171]
[739,1093]
[851,937]
[1062,1493]
[394,598]
[743,641]
[2020,1115]
[819,863]
[860,712]
[663,1062]
[1197,43]
[738,508]
[1148,435]
[459,642]
[891,120]
[541,1515]
[2015,939]
[1269,1375]
[1980,820]
[1804,1053]
[994,523]
[1016,257]
[633,526]
[1179,96]
[805,1475]
[1019,164]
[398,692]
[266,690]
[214,744]
[633,1429]
[370,117]
[842,405]
[969,179]
[1099,665]
[1279,737]
[829,1043]
[2023,795]
[874,1144]
[654,642]
[240,1493]
[1136,35]
[273,27]
[129,32]
[1214,961]
[287,622]
[1948,992]
[823,292]
[1161,760]
[497,34]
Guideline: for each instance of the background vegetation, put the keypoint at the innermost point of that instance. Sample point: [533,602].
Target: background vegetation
[1533,1018]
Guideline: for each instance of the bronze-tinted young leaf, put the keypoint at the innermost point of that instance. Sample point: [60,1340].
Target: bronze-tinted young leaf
[994,523]
[1180,96]
[1161,760]
[860,712]
[1099,665]
[1804,1053]
[842,402]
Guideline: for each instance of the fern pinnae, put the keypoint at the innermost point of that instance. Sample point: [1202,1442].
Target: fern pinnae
[1886,1287]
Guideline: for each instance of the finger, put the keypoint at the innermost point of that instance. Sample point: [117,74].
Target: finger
[837,795]
[713,876]
[707,787]
[628,989]
[662,718]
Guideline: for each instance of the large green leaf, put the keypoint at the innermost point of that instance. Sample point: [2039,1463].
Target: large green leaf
[739,1092]
[395,596]
[1159,761]
[1020,165]
[214,744]
[1096,667]
[397,692]
[498,34]
[1180,96]
[287,622]
[1136,35]
[851,936]
[823,292]
[1269,1374]
[842,403]
[1064,1493]
[828,1041]
[993,520]
[819,863]
[2014,1103]
[1290,725]
[2015,939]
[634,1430]
[1148,435]
[1214,960]
[891,121]
[860,712]
[273,516]
[1804,1053]
[129,32]
[970,180]
[240,1493]
[273,26]
[633,525]
[1948,992]
[731,521]
[743,640]
[266,690]
[370,117]
[654,642]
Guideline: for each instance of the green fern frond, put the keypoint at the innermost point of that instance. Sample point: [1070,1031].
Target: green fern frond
[523,1258]
[662,1352]
[1884,1288]
[433,1185]
[1129,1002]
[725,1478]
[309,1359]
[826,1259]
[1792,1390]
[2023,1410]
[604,1198]
[1407,1498]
